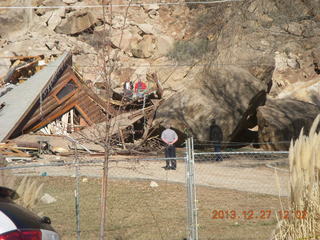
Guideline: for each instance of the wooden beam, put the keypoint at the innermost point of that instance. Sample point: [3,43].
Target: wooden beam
[10,150]
[85,116]
[52,108]
[149,125]
[122,138]
[57,113]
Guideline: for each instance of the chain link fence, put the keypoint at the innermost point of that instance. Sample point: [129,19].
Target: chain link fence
[145,201]
[240,194]
[237,198]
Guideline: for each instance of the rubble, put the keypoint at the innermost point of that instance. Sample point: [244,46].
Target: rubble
[12,150]
[23,68]
[58,104]
[57,93]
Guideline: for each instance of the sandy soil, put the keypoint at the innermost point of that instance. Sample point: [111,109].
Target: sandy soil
[237,174]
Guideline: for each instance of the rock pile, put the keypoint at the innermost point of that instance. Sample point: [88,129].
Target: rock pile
[264,61]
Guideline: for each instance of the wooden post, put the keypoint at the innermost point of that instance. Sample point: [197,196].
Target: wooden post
[2,161]
[122,138]
[2,174]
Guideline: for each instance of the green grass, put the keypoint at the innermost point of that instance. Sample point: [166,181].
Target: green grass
[137,211]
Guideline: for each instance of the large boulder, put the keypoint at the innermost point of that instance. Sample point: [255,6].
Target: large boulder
[213,94]
[308,91]
[28,47]
[47,3]
[54,18]
[295,65]
[143,48]
[15,22]
[76,22]
[274,47]
[281,120]
[122,39]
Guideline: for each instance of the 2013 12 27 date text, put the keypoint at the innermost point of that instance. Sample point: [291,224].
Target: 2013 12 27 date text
[257,214]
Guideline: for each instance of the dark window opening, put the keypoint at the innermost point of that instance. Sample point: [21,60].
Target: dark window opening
[67,89]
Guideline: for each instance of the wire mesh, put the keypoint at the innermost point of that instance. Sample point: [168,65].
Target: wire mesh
[145,201]
[239,194]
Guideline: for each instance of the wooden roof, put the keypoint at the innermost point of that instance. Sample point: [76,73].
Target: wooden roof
[87,103]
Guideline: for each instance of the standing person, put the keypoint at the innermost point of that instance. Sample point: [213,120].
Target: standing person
[140,88]
[169,136]
[127,89]
[216,136]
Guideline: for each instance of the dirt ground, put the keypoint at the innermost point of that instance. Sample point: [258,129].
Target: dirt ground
[244,174]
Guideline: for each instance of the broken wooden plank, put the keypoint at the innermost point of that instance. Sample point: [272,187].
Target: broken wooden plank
[11,149]
[122,138]
[23,58]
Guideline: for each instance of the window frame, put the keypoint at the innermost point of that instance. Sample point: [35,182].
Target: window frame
[61,100]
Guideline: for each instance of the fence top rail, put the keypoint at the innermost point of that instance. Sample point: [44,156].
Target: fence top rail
[244,153]
[61,164]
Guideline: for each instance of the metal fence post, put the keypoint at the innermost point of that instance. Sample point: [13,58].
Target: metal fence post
[192,228]
[187,160]
[76,192]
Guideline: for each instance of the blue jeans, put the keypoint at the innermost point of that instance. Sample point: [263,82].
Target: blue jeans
[170,152]
[217,148]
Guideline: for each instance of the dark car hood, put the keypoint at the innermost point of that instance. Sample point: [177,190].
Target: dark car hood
[22,217]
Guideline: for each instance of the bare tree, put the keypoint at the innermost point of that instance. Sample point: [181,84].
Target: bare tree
[109,66]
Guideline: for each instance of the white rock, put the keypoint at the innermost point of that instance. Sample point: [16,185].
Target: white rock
[153,13]
[117,21]
[70,1]
[280,61]
[4,66]
[45,18]
[146,28]
[153,184]
[50,45]
[47,199]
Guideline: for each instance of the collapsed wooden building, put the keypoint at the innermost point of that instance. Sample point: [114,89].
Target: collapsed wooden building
[56,100]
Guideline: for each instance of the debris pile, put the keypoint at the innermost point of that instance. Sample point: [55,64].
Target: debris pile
[22,68]
[57,101]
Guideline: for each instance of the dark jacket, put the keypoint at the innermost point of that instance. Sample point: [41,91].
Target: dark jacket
[216,134]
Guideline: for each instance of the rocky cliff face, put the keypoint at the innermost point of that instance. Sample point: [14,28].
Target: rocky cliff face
[260,53]
[261,50]
[140,40]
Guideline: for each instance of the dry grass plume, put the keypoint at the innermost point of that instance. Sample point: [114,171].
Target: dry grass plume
[29,190]
[303,221]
